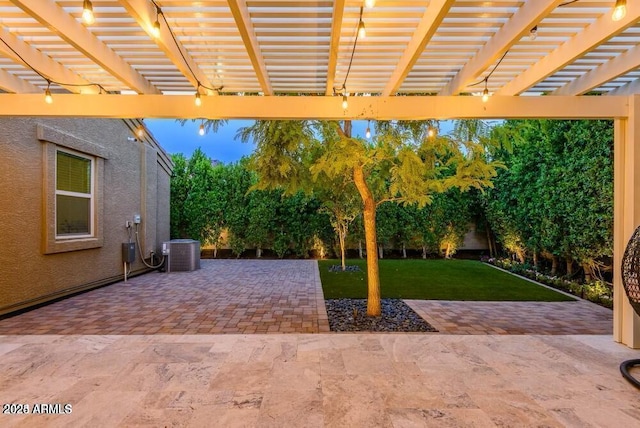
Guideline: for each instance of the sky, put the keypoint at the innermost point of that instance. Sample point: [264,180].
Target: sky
[221,146]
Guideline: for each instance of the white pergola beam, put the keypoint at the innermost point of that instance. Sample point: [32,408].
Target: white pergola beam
[334,45]
[241,15]
[11,83]
[144,13]
[52,16]
[520,24]
[44,64]
[433,16]
[611,69]
[318,107]
[594,35]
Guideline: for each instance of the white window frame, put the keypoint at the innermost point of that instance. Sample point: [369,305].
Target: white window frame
[91,196]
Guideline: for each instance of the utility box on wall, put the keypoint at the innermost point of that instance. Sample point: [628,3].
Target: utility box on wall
[183,255]
[129,252]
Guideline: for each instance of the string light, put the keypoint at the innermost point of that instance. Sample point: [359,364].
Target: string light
[360,28]
[140,131]
[367,133]
[87,12]
[369,3]
[619,10]
[533,33]
[431,132]
[362,31]
[198,98]
[201,130]
[47,94]
[485,93]
[155,30]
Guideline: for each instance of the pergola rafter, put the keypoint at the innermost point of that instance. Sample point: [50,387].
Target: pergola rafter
[19,51]
[431,20]
[334,44]
[145,14]
[593,36]
[49,14]
[243,21]
[520,24]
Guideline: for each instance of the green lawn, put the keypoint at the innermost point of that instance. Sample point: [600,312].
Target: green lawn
[434,280]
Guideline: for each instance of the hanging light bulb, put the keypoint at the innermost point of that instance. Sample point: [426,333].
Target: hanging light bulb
[485,95]
[533,33]
[362,32]
[155,30]
[201,130]
[345,103]
[369,3]
[87,12]
[619,10]
[47,94]
[198,99]
[140,131]
[431,132]
[367,133]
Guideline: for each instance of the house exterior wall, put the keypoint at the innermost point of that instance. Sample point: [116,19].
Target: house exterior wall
[132,177]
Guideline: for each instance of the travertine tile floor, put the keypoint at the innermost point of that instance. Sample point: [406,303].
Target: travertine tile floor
[321,380]
[151,356]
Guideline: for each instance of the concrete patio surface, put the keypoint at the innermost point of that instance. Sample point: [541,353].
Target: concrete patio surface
[320,380]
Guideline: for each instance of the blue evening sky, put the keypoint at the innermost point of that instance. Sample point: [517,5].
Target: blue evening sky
[222,145]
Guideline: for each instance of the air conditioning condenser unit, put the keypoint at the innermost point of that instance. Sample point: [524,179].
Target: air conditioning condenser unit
[183,255]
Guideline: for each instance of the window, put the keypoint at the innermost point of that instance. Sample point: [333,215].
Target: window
[73,202]
[74,195]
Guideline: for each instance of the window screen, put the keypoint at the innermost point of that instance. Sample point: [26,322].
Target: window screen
[73,194]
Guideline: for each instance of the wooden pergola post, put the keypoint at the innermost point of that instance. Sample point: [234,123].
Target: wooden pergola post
[626,217]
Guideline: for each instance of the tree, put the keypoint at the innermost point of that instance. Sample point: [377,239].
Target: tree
[237,184]
[196,204]
[400,165]
[556,197]
[179,190]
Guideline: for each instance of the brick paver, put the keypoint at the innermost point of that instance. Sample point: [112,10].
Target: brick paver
[579,317]
[274,296]
[225,296]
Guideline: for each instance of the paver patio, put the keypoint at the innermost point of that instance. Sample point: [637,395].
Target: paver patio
[273,296]
[224,296]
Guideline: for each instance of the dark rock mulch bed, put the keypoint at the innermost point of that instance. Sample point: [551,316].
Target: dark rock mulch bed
[397,316]
[348,268]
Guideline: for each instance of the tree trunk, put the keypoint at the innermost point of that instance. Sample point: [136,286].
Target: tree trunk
[342,233]
[369,216]
[215,251]
[381,251]
[360,248]
[258,252]
[569,266]
[588,272]
[491,249]
[554,265]
[404,251]
[424,251]
[535,260]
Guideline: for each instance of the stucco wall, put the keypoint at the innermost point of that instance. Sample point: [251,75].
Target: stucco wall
[134,180]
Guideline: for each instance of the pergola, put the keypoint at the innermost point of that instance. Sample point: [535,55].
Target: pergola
[285,59]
